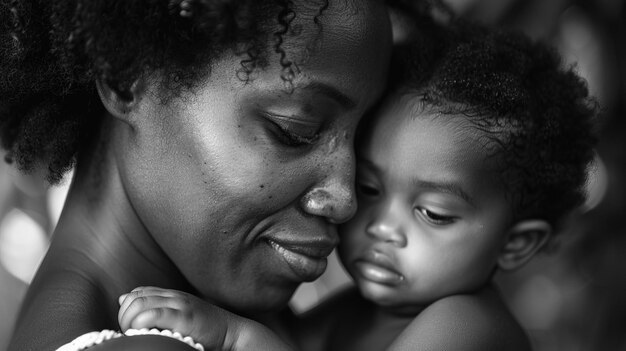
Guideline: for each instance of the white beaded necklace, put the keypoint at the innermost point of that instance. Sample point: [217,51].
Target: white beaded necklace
[97,337]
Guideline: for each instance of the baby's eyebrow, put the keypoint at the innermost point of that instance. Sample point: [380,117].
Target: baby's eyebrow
[445,187]
[367,164]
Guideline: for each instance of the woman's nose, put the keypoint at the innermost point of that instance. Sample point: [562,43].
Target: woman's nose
[335,201]
[333,196]
[388,230]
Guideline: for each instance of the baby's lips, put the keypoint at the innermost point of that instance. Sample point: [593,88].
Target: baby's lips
[378,273]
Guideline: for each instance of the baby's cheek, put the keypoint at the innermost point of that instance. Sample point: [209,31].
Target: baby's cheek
[349,233]
[351,246]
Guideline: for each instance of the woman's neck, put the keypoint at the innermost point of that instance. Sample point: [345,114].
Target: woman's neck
[100,232]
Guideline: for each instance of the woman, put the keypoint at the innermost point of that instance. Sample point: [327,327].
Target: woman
[213,142]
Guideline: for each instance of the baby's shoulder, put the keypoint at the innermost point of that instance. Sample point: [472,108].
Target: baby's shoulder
[483,304]
[479,321]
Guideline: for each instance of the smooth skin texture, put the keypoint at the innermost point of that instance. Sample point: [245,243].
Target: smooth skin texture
[230,191]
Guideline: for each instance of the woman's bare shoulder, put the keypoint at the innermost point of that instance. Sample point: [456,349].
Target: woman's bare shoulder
[479,321]
[60,305]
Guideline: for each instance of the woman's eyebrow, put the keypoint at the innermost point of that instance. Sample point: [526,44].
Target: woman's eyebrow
[330,92]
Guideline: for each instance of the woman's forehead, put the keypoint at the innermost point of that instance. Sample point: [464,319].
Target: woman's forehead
[318,21]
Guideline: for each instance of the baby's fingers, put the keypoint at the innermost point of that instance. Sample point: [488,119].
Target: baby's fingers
[142,293]
[161,318]
[136,305]
[125,299]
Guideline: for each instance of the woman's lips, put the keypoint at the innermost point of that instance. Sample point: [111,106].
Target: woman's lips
[378,268]
[306,260]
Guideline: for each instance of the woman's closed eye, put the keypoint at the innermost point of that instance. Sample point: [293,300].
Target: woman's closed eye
[435,218]
[293,131]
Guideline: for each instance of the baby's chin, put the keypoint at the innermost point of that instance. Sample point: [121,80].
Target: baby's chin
[381,294]
[391,298]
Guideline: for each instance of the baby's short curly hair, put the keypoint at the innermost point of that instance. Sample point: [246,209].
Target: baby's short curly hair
[535,115]
[52,51]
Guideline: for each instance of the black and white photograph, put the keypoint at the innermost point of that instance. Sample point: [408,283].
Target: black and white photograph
[312,175]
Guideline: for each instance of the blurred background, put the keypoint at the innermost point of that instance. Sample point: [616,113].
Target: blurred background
[570,298]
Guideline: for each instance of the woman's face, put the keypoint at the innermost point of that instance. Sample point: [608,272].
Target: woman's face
[241,184]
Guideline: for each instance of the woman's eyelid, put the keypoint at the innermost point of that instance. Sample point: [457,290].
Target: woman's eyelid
[297,119]
[293,130]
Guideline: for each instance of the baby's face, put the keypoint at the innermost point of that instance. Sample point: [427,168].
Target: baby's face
[432,217]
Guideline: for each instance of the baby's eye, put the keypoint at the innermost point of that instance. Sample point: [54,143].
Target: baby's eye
[435,218]
[367,190]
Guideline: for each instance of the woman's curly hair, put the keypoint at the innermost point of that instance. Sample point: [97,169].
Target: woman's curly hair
[52,51]
[534,115]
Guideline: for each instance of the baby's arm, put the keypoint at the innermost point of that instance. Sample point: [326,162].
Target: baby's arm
[211,326]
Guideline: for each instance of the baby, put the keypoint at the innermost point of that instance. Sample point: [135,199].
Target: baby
[469,166]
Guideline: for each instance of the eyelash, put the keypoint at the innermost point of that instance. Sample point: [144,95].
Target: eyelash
[289,138]
[434,218]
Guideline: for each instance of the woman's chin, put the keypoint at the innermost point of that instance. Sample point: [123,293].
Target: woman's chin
[260,302]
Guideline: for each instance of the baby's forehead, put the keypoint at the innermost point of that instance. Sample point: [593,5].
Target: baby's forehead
[409,146]
[411,123]
[408,107]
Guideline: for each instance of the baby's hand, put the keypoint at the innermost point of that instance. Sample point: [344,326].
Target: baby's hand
[150,307]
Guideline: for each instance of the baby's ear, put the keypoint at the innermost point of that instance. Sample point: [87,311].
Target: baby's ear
[117,102]
[523,240]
